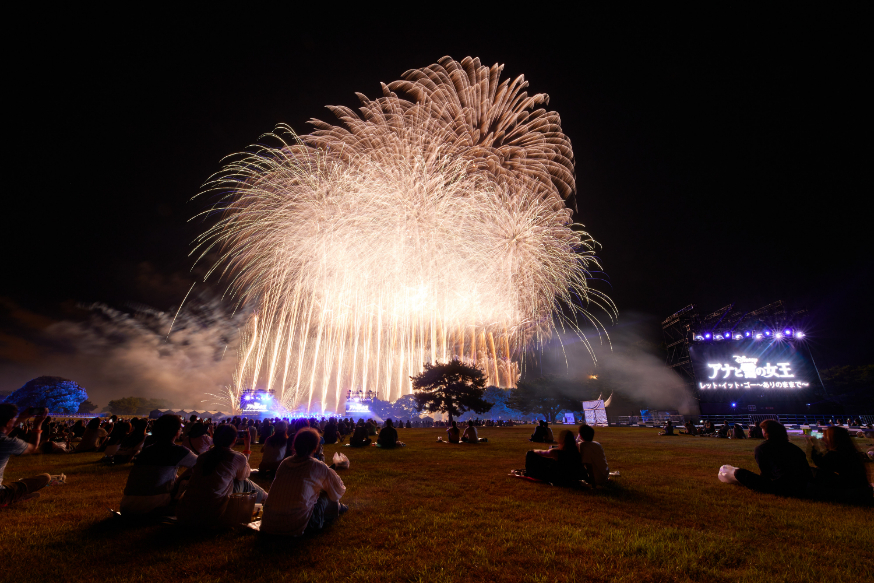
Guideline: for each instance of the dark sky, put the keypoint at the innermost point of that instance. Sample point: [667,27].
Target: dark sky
[719,151]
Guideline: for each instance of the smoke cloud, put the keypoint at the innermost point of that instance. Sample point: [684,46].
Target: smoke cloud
[117,353]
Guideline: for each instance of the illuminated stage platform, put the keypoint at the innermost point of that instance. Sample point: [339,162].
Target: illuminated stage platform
[744,362]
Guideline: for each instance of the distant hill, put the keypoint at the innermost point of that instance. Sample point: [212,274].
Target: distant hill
[60,395]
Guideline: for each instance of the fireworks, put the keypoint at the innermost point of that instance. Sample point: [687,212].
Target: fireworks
[432,225]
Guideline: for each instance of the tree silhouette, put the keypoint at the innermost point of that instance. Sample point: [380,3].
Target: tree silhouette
[544,395]
[452,388]
[87,407]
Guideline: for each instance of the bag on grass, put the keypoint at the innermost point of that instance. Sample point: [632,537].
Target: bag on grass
[726,474]
[341,462]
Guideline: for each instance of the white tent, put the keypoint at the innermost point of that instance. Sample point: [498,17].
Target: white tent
[596,412]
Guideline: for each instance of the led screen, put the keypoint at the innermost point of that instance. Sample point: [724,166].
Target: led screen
[751,366]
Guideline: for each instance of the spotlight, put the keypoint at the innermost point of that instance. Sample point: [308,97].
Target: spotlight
[738,337]
[707,336]
[799,334]
[699,338]
[787,332]
[718,337]
[758,336]
[727,335]
[733,405]
[767,332]
[748,334]
[778,336]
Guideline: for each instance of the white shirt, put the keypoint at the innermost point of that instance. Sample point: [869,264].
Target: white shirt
[592,454]
[294,492]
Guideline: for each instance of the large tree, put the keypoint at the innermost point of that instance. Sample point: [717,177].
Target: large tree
[546,395]
[452,388]
[136,405]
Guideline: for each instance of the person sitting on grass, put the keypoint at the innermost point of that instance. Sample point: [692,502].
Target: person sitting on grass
[275,449]
[388,436]
[217,473]
[708,428]
[723,430]
[783,465]
[119,431]
[152,481]
[840,470]
[331,433]
[25,488]
[93,437]
[305,495]
[133,443]
[669,429]
[560,465]
[198,439]
[359,438]
[597,472]
[470,435]
[756,431]
[737,432]
[453,433]
[690,429]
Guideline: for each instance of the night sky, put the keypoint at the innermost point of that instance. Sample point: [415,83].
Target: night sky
[721,154]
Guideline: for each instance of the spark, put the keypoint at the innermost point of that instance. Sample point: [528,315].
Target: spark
[431,226]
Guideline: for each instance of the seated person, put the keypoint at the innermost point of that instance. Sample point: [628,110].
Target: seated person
[152,481]
[331,432]
[690,429]
[133,443]
[305,495]
[708,428]
[783,465]
[359,437]
[669,428]
[539,435]
[25,488]
[560,465]
[198,439]
[275,449]
[470,435]
[840,469]
[453,433]
[723,430]
[119,432]
[737,432]
[92,438]
[217,473]
[388,437]
[597,472]
[756,431]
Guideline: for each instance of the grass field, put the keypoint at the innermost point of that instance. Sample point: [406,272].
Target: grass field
[436,512]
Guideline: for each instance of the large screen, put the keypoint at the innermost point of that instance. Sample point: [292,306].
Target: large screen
[751,370]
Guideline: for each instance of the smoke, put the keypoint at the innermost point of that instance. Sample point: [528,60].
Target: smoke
[634,370]
[117,353]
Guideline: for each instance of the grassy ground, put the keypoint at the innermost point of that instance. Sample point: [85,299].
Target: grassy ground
[436,512]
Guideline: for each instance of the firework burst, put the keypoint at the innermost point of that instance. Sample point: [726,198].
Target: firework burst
[430,226]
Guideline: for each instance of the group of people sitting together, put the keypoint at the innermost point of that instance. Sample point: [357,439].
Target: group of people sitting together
[838,470]
[574,460]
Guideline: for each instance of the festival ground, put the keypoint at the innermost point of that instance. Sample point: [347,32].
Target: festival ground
[436,512]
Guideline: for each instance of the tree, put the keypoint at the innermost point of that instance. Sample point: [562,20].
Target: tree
[405,408]
[543,395]
[87,407]
[452,388]
[136,405]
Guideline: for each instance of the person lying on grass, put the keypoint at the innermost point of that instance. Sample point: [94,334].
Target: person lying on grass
[26,488]
[217,473]
[597,472]
[305,495]
[388,436]
[783,466]
[561,466]
[153,480]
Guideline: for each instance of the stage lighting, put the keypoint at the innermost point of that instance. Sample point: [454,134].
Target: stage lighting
[733,405]
[738,337]
[778,336]
[699,338]
[758,336]
[748,334]
[718,337]
[707,336]
[787,332]
[727,335]
[799,334]
[767,332]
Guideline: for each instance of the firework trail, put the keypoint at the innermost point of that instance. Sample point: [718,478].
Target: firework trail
[430,225]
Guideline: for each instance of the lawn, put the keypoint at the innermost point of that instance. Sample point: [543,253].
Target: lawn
[435,512]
